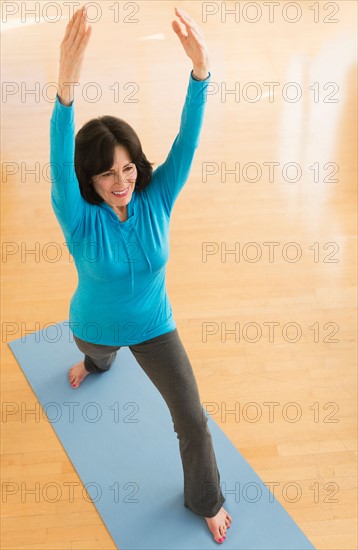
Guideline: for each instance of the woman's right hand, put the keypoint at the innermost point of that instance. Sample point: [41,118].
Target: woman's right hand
[73,48]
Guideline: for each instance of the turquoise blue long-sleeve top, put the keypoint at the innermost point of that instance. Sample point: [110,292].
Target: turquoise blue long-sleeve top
[121,297]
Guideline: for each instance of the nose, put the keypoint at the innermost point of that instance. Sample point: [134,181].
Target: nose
[118,179]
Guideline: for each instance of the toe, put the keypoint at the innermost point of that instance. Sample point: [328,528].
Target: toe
[218,536]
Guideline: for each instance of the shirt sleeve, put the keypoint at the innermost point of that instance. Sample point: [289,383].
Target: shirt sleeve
[66,199]
[169,178]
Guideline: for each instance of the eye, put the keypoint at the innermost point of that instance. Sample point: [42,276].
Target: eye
[106,174]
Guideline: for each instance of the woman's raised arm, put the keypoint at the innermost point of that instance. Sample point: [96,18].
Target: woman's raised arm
[170,177]
[73,47]
[66,198]
[193,43]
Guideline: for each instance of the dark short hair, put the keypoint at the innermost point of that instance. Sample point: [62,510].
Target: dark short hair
[94,153]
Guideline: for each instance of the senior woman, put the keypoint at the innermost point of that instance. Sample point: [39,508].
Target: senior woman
[114,211]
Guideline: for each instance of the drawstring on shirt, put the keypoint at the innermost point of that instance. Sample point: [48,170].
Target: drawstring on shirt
[129,258]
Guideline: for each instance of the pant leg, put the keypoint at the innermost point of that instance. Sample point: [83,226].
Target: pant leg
[166,363]
[98,358]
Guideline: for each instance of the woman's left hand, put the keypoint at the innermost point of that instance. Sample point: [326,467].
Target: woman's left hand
[193,44]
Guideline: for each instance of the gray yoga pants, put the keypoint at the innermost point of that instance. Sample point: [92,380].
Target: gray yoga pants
[165,362]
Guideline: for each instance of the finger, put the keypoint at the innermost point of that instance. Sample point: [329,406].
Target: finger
[191,35]
[188,21]
[196,36]
[69,25]
[193,32]
[80,23]
[178,30]
[71,34]
[85,40]
[81,31]
[183,14]
[78,20]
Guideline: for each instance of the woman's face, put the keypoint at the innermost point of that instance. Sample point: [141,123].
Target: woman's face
[117,184]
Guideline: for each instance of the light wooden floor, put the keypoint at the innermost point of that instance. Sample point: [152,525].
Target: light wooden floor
[211,290]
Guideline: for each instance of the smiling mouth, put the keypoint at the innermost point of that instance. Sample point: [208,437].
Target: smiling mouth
[120,193]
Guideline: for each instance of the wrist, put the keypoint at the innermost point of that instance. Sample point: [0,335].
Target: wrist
[67,102]
[200,73]
[66,90]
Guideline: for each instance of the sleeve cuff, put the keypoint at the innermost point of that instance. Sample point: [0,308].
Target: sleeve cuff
[197,80]
[62,104]
[62,115]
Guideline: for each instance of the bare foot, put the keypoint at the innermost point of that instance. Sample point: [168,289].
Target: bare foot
[77,374]
[218,524]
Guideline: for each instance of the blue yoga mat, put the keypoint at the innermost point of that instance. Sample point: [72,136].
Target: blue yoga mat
[118,433]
